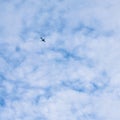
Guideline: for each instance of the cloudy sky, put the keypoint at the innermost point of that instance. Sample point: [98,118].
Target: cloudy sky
[74,75]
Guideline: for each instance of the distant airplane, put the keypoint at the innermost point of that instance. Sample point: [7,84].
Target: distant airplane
[42,39]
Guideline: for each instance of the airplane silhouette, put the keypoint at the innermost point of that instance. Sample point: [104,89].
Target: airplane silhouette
[42,39]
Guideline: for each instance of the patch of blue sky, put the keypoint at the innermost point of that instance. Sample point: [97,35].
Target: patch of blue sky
[40,118]
[24,34]
[2,102]
[13,61]
[44,25]
[108,33]
[35,117]
[19,4]
[2,32]
[59,24]
[100,82]
[17,48]
[79,27]
[88,31]
[4,67]
[11,55]
[68,55]
[2,77]
[45,96]
[76,85]
[47,93]
[35,28]
[90,116]
[16,62]
[3,95]
[51,25]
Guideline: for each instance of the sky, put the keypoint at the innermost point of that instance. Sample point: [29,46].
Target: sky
[74,75]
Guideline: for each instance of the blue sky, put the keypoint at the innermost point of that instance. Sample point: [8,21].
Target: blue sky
[74,75]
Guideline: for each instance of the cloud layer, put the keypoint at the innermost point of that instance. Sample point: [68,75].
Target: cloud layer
[74,75]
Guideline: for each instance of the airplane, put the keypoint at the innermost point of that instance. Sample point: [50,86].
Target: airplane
[42,39]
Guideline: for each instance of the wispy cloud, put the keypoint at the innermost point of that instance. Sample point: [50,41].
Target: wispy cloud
[73,75]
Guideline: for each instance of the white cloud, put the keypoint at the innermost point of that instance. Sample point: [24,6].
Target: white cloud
[74,74]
